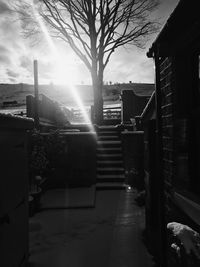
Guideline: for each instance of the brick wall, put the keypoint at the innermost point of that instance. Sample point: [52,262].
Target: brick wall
[173,136]
[167,85]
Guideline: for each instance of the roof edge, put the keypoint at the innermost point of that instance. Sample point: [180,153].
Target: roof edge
[164,29]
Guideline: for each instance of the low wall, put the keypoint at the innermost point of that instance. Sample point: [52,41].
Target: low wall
[14,190]
[77,166]
[133,154]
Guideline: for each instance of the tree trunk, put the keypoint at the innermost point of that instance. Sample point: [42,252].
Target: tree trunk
[97,84]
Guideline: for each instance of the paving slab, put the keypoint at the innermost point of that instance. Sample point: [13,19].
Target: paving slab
[105,236]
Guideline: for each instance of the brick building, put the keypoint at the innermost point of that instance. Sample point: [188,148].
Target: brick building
[176,130]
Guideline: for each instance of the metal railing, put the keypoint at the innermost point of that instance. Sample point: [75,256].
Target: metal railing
[112,113]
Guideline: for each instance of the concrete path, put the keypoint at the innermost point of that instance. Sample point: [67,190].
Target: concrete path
[128,249]
[105,236]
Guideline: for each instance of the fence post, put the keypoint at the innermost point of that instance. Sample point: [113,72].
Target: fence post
[92,113]
[30,102]
[36,115]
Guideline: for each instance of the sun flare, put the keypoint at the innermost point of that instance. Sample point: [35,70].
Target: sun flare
[64,69]
[63,72]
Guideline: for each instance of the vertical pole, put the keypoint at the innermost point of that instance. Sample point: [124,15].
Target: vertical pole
[92,113]
[36,113]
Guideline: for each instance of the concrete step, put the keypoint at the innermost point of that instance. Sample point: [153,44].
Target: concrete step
[118,142]
[113,178]
[109,162]
[105,150]
[110,186]
[113,122]
[108,133]
[108,137]
[110,170]
[116,156]
[107,128]
[109,143]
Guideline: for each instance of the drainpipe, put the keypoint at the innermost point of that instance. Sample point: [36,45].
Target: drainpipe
[159,158]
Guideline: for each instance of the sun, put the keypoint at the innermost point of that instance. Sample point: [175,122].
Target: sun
[64,72]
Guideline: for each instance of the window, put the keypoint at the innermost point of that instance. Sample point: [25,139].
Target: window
[187,122]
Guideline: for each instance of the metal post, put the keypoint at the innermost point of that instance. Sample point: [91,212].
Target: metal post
[36,113]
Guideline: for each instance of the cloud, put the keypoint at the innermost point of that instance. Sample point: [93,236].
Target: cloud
[130,65]
[12,80]
[26,62]
[12,74]
[4,59]
[4,55]
[10,40]
[3,49]
[4,8]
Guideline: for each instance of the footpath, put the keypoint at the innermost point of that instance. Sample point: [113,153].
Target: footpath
[108,235]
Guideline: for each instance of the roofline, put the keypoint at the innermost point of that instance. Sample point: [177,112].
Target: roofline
[164,29]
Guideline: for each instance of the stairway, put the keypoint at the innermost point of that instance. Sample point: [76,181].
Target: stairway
[110,170]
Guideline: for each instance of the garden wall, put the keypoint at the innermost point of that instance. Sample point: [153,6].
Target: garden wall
[133,154]
[14,190]
[76,165]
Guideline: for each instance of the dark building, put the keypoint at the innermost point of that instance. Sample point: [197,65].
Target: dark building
[176,134]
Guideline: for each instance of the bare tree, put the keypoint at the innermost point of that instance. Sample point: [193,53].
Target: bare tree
[94,29]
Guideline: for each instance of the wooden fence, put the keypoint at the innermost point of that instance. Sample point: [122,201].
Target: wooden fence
[49,111]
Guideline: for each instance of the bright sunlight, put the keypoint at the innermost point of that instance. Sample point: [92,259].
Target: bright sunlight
[63,73]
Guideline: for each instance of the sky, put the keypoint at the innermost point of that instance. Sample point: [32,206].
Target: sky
[17,54]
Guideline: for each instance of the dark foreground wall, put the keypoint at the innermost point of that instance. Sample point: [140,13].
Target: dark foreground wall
[81,158]
[77,164]
[13,191]
[133,155]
